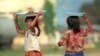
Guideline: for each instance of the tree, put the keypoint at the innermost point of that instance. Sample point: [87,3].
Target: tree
[93,10]
[48,18]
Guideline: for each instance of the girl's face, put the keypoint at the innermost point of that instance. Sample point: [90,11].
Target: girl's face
[28,22]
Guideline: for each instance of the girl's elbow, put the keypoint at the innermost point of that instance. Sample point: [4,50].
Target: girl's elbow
[91,30]
[18,31]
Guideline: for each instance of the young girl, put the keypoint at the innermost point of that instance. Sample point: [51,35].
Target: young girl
[31,43]
[74,37]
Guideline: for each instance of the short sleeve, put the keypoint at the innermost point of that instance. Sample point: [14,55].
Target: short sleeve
[64,38]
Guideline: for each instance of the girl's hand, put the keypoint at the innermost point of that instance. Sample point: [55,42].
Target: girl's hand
[40,13]
[85,16]
[59,44]
[89,25]
[15,16]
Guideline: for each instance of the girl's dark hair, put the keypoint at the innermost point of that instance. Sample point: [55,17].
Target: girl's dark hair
[29,17]
[74,23]
[36,25]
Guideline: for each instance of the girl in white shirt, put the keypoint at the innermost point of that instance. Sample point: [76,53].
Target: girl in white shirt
[31,43]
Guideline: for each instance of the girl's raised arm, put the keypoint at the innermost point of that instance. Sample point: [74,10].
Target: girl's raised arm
[89,25]
[35,20]
[19,30]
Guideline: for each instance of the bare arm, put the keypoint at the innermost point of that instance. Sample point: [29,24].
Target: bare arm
[19,30]
[35,20]
[63,40]
[89,26]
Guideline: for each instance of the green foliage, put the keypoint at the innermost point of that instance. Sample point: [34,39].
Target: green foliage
[48,18]
[21,22]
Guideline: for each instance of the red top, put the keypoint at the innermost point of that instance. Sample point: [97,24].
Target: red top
[74,42]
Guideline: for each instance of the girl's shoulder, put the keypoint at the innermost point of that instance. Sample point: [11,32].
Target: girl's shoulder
[71,31]
[82,30]
[68,31]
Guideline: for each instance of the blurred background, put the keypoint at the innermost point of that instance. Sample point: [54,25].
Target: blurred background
[52,24]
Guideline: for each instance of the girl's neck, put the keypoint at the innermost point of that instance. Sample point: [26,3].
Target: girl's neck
[33,29]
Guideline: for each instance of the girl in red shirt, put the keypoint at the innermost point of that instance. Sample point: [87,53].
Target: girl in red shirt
[74,36]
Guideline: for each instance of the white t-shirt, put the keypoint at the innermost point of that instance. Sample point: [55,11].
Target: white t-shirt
[31,41]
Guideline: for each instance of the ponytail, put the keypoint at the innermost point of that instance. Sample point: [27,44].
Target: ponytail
[37,26]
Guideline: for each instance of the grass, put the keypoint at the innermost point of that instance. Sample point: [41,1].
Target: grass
[47,51]
[9,52]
